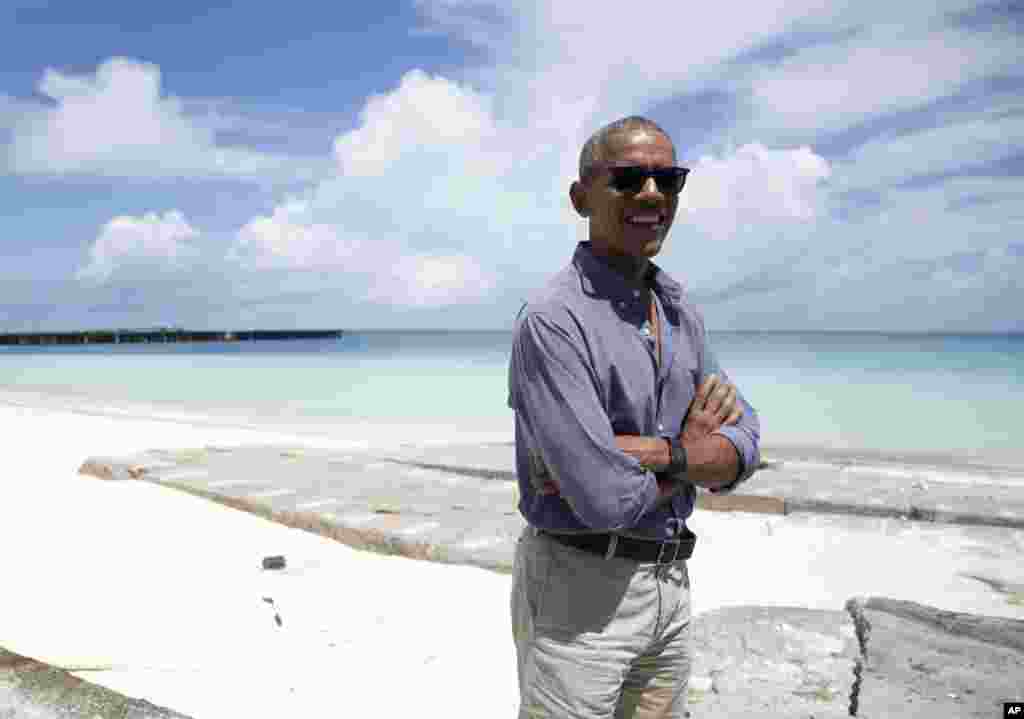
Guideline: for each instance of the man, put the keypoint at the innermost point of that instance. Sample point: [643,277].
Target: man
[620,411]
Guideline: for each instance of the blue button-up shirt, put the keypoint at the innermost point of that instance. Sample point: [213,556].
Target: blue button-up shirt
[584,368]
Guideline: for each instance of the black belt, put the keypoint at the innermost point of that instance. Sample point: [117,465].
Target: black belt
[639,550]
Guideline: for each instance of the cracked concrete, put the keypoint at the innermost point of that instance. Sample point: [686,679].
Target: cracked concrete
[862,629]
[881,658]
[921,661]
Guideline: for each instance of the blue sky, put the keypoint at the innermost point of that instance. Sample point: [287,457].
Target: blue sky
[406,164]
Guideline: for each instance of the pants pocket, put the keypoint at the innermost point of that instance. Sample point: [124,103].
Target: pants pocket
[581,594]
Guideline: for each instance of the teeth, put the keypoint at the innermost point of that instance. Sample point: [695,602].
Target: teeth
[645,219]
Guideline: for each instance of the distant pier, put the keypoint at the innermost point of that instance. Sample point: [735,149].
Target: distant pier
[158,335]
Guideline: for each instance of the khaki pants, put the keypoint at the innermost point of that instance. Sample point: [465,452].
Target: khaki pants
[598,638]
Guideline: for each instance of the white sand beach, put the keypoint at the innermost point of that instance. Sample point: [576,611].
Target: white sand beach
[159,595]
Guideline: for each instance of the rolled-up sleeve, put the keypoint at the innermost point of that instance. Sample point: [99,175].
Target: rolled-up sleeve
[556,394]
[745,435]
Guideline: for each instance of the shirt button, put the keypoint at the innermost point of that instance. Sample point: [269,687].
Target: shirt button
[636,293]
[622,304]
[661,428]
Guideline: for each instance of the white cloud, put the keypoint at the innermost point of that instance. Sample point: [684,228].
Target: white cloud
[754,184]
[117,122]
[752,202]
[430,184]
[883,69]
[431,281]
[425,114]
[761,213]
[875,291]
[381,271]
[152,241]
[925,261]
[974,141]
[745,209]
[416,191]
[289,239]
[922,223]
[453,189]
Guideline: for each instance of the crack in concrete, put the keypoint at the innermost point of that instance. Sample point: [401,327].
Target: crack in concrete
[862,627]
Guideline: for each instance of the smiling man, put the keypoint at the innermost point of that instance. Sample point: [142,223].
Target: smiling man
[621,411]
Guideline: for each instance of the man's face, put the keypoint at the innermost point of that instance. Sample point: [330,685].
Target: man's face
[628,223]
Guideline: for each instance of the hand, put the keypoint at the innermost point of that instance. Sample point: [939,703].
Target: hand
[713,406]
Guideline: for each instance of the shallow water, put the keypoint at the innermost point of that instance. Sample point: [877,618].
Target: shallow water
[900,393]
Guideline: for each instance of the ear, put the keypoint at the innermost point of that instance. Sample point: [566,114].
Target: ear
[578,195]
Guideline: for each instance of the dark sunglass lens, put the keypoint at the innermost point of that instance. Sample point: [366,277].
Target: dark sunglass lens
[628,179]
[670,181]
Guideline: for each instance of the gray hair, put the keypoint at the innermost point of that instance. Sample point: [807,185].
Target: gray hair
[596,148]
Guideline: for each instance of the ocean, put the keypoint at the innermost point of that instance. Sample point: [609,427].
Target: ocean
[905,393]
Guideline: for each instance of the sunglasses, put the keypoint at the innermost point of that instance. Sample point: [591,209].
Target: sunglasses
[632,178]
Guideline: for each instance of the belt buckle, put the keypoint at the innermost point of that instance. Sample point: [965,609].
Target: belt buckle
[675,553]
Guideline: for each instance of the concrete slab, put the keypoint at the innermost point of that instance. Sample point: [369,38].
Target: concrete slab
[881,658]
[773,662]
[919,661]
[458,503]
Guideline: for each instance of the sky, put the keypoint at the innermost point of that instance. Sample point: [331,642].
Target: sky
[230,165]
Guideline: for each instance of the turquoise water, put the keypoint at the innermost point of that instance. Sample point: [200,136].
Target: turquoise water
[888,392]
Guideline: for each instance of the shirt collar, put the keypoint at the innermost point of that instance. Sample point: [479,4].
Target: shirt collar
[598,279]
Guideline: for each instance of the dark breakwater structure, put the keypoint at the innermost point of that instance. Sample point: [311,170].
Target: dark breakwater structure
[159,335]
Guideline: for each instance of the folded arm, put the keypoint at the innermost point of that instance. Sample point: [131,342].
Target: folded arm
[713,461]
[721,432]
[556,395]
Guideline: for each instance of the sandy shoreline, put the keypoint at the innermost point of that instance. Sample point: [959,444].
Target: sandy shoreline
[159,595]
[333,433]
[164,591]
[351,432]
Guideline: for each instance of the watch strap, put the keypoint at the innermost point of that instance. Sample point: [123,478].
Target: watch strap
[678,462]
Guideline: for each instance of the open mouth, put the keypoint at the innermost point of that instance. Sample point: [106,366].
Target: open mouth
[649,220]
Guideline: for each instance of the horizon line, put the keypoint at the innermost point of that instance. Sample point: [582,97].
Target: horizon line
[157,328]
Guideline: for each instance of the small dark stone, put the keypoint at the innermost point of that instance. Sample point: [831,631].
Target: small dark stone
[275,562]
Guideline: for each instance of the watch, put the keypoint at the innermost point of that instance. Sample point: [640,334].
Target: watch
[677,465]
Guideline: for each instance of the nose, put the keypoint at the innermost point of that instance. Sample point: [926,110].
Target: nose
[650,187]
